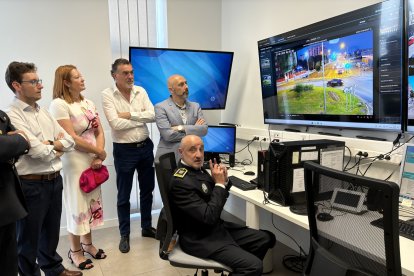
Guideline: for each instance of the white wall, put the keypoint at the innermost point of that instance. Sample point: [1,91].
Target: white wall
[51,33]
[196,24]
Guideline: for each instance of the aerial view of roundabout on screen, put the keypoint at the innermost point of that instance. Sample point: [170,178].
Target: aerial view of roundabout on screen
[330,77]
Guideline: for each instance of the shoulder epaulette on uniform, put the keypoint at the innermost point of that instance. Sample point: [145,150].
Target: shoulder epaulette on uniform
[181,172]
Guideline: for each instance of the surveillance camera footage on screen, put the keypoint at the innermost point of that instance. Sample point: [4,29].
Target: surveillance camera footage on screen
[343,72]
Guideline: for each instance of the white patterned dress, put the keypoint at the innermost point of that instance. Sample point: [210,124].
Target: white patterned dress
[83,210]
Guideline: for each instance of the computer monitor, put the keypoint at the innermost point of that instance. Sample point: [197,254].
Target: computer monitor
[219,140]
[407,176]
[343,72]
[408,94]
[286,173]
[207,73]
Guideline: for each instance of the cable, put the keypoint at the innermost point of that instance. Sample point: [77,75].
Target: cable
[248,144]
[295,263]
[349,160]
[248,161]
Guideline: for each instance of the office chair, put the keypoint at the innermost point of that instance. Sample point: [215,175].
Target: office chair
[165,229]
[342,211]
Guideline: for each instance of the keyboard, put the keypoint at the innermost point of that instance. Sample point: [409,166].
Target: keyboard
[241,184]
[406,228]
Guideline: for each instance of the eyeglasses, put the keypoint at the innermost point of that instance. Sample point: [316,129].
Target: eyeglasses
[33,82]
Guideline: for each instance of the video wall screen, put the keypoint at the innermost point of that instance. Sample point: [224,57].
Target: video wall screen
[343,72]
[409,96]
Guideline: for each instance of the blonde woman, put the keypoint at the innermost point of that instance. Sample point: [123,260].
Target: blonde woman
[79,118]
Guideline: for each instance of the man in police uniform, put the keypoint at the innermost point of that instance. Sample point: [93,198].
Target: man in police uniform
[197,201]
[12,205]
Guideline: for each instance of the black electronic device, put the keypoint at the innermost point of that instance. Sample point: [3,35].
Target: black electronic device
[344,72]
[241,184]
[348,200]
[232,159]
[249,173]
[324,217]
[286,180]
[263,170]
[405,228]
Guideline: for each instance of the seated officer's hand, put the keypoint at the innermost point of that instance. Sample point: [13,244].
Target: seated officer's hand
[218,172]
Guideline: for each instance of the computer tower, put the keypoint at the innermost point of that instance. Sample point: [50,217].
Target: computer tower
[286,173]
[263,170]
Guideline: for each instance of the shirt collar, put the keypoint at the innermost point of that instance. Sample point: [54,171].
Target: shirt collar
[179,107]
[24,106]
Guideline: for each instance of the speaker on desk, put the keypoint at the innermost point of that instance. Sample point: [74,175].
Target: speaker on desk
[232,160]
[263,170]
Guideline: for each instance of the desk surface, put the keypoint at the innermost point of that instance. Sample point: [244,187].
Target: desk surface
[255,197]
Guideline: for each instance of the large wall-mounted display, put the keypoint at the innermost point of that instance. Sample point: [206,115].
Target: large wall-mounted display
[207,73]
[409,96]
[343,72]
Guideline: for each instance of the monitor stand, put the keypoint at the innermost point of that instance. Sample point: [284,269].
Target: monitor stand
[299,209]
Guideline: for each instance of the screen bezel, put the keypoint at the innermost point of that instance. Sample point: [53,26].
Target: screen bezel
[181,71]
[349,208]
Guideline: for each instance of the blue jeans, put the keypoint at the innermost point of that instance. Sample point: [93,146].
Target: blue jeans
[127,159]
[38,232]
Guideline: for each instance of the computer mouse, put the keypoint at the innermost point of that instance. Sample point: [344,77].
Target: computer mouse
[324,217]
[249,173]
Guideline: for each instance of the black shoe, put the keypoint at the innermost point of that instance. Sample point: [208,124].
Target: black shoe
[149,232]
[124,244]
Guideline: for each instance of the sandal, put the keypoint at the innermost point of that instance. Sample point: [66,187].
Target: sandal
[99,255]
[83,265]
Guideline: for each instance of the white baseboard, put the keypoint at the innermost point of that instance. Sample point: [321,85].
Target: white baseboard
[112,222]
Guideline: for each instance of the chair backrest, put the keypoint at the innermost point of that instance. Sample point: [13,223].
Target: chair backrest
[164,168]
[341,209]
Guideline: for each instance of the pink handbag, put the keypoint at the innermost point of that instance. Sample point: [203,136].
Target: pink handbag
[90,178]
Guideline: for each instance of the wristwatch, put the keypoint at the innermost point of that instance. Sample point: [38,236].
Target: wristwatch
[180,128]
[51,142]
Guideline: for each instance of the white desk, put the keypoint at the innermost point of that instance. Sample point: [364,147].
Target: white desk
[254,202]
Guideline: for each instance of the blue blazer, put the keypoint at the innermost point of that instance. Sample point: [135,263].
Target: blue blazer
[167,115]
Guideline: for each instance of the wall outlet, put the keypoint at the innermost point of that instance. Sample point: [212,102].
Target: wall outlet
[264,139]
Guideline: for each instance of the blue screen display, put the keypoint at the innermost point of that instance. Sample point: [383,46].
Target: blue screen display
[207,73]
[220,139]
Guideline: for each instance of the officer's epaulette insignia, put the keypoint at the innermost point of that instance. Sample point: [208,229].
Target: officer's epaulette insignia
[181,172]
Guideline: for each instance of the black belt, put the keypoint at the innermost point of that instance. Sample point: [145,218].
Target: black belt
[50,176]
[137,144]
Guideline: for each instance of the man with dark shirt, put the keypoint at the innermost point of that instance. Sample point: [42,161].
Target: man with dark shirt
[197,201]
[12,205]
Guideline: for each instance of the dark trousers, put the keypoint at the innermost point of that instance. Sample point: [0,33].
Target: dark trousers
[129,159]
[246,258]
[38,232]
[8,250]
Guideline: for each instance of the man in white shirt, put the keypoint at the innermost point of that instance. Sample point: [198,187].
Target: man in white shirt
[127,109]
[39,172]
